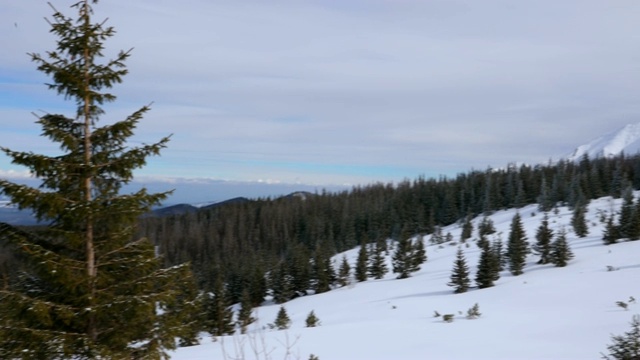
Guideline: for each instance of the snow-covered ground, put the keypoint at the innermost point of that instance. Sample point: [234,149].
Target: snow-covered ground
[546,313]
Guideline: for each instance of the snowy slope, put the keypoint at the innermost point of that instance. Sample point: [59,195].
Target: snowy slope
[546,313]
[626,139]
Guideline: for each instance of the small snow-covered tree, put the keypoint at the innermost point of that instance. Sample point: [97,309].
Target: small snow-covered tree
[517,246]
[560,250]
[312,320]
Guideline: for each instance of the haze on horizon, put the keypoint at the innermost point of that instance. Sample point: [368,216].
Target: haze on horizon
[271,97]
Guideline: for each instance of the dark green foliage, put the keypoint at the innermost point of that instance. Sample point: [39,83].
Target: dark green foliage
[83,286]
[325,275]
[486,227]
[219,312]
[378,263]
[460,274]
[418,254]
[312,320]
[517,246]
[282,321]
[344,272]
[634,226]
[627,346]
[244,314]
[437,237]
[488,268]
[402,258]
[544,236]
[467,229]
[560,250]
[611,235]
[281,284]
[625,220]
[361,263]
[474,312]
[579,222]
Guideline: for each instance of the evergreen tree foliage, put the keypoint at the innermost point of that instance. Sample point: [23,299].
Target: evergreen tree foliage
[634,226]
[610,235]
[418,254]
[325,275]
[378,263]
[467,229]
[560,250]
[460,274]
[626,213]
[627,346]
[361,263]
[244,314]
[437,237]
[219,312]
[517,246]
[544,236]
[282,321]
[85,287]
[312,320]
[344,272]
[486,227]
[488,268]
[579,222]
[402,259]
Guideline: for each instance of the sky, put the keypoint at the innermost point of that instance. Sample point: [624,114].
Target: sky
[313,94]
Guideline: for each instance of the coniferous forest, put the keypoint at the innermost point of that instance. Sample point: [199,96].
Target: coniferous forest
[279,246]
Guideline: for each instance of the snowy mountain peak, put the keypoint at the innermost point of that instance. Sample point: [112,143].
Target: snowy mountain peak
[626,139]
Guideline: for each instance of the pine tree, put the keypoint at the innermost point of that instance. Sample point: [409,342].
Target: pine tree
[402,258]
[281,284]
[488,268]
[626,214]
[282,321]
[244,314]
[344,272]
[517,246]
[361,263]
[579,222]
[544,235]
[467,229]
[486,227]
[560,251]
[378,264]
[87,288]
[460,275]
[418,254]
[627,346]
[312,320]
[219,312]
[611,234]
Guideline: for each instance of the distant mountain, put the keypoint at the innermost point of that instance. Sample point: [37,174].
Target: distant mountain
[626,139]
[174,210]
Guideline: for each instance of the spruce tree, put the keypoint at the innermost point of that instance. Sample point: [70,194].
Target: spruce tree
[544,236]
[86,287]
[460,275]
[560,250]
[488,268]
[282,321]
[486,227]
[418,254]
[402,258]
[467,229]
[610,234]
[579,222]
[361,263]
[344,272]
[517,246]
[626,214]
[627,346]
[244,314]
[312,320]
[219,312]
[378,263]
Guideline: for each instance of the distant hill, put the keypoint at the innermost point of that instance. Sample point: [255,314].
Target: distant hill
[625,139]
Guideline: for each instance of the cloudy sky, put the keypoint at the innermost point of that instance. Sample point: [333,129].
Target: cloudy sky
[333,92]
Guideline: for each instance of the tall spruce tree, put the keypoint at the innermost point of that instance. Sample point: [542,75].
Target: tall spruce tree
[418,254]
[561,251]
[377,262]
[344,272]
[460,274]
[579,221]
[610,235]
[86,287]
[517,246]
[544,236]
[402,259]
[488,267]
[361,263]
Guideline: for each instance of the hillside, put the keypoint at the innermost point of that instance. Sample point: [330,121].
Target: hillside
[624,140]
[546,313]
